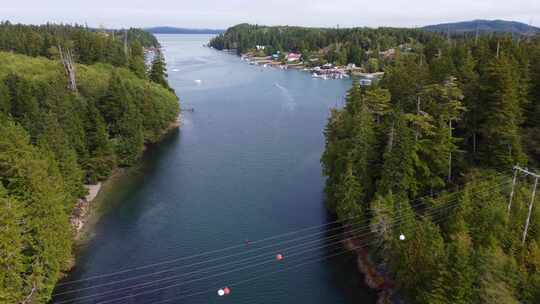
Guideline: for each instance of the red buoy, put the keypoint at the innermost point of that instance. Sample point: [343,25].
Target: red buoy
[226,290]
[279,257]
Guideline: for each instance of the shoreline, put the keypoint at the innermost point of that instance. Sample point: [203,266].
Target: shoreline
[327,71]
[86,211]
[374,276]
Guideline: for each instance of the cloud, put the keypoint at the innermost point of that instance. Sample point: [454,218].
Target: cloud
[222,13]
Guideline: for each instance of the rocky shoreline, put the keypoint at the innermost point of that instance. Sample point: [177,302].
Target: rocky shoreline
[80,215]
[375,278]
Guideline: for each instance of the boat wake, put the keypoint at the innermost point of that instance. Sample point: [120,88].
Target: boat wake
[290,104]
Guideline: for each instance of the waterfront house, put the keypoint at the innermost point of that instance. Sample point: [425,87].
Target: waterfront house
[291,57]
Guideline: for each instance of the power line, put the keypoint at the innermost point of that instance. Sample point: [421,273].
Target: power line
[364,244]
[233,263]
[235,246]
[358,228]
[518,169]
[440,209]
[221,258]
[241,253]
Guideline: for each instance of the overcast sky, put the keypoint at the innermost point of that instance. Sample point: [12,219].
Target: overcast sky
[224,13]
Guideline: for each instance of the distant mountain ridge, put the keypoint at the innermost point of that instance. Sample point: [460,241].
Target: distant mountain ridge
[179,30]
[484,26]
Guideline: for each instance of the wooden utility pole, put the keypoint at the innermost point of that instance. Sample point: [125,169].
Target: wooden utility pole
[533,196]
[530,209]
[513,187]
[417,133]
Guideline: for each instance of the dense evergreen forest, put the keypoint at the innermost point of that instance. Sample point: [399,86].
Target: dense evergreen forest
[56,137]
[90,45]
[426,155]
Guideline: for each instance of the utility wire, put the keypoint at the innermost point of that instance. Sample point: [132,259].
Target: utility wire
[241,245]
[440,209]
[364,244]
[366,227]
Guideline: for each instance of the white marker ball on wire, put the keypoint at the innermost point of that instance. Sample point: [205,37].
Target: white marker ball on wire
[402,237]
[221,292]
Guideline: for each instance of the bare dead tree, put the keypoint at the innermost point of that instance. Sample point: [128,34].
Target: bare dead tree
[29,297]
[69,66]
[126,43]
[390,143]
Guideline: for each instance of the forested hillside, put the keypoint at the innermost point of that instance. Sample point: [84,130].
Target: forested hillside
[483,27]
[426,158]
[55,138]
[90,45]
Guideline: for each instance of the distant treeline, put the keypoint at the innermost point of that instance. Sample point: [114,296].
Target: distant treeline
[54,140]
[178,30]
[419,156]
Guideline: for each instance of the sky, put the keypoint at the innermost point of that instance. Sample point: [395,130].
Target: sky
[224,13]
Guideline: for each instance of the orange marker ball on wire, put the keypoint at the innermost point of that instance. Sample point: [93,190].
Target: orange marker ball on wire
[279,257]
[226,290]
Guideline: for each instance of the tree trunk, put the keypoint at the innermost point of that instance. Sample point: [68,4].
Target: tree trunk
[450,154]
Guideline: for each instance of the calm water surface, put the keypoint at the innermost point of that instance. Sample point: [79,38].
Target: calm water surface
[244,165]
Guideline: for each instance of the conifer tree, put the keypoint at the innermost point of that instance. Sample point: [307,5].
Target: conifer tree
[348,195]
[399,160]
[55,140]
[363,149]
[5,102]
[11,249]
[31,177]
[136,60]
[332,157]
[158,71]
[502,143]
[101,158]
[130,138]
[24,107]
[460,270]
[113,104]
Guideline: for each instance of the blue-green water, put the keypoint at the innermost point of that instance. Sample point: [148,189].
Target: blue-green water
[244,165]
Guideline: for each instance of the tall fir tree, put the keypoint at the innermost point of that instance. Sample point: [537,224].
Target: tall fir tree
[11,249]
[136,60]
[158,70]
[501,143]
